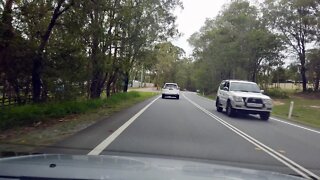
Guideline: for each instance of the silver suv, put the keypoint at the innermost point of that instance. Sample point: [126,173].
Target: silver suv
[243,96]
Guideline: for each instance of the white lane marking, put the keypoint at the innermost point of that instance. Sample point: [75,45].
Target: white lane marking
[295,125]
[286,161]
[105,143]
[275,119]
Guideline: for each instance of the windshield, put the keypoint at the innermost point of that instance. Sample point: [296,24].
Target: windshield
[244,87]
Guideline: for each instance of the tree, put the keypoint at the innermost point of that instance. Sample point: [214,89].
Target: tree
[131,30]
[15,55]
[235,45]
[43,44]
[60,7]
[166,57]
[297,22]
[313,64]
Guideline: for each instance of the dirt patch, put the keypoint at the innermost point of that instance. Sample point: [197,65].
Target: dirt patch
[41,125]
[149,89]
[316,107]
[29,139]
[277,103]
[311,95]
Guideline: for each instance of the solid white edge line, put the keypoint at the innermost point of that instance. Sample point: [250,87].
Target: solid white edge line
[262,146]
[105,143]
[295,125]
[282,121]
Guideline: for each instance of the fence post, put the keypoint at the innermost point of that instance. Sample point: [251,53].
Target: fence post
[290,109]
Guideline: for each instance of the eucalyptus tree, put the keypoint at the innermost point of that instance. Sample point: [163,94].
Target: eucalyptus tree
[297,22]
[132,28]
[59,8]
[313,65]
[30,24]
[236,44]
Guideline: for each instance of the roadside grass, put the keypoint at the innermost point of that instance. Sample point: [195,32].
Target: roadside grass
[12,117]
[55,123]
[305,111]
[212,96]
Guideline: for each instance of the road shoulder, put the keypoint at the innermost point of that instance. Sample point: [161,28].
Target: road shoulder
[42,136]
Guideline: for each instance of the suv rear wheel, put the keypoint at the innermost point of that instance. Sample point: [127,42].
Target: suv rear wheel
[265,116]
[163,96]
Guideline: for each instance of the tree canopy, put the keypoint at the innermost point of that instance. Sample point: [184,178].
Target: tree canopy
[65,49]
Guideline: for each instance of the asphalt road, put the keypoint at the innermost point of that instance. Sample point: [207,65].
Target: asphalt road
[191,128]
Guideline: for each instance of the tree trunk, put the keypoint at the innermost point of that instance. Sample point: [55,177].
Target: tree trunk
[112,80]
[108,89]
[95,92]
[36,78]
[4,92]
[126,82]
[26,92]
[316,83]
[38,59]
[17,91]
[303,72]
[44,93]
[254,78]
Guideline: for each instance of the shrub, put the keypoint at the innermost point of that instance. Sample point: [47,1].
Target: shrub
[277,93]
[29,114]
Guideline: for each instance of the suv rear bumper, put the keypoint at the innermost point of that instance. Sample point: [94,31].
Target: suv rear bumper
[170,94]
[166,92]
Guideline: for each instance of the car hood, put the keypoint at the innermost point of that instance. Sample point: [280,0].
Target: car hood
[249,94]
[123,167]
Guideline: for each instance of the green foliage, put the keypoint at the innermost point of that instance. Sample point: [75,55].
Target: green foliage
[90,47]
[31,114]
[235,45]
[167,63]
[298,23]
[313,65]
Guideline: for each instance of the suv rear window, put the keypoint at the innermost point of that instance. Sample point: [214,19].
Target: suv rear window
[170,86]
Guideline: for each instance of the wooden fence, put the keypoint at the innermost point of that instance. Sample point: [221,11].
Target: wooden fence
[13,101]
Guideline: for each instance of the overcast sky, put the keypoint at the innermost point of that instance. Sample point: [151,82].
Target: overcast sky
[193,16]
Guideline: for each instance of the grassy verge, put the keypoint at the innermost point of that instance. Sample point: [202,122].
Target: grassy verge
[59,120]
[305,111]
[32,114]
[209,96]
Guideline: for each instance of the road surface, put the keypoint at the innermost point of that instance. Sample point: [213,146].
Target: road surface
[191,128]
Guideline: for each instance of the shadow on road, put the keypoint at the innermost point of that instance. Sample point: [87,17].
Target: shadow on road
[245,117]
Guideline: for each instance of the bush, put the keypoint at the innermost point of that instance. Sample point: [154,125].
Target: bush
[29,114]
[277,93]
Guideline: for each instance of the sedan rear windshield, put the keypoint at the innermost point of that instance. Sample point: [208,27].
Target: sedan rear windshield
[244,87]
